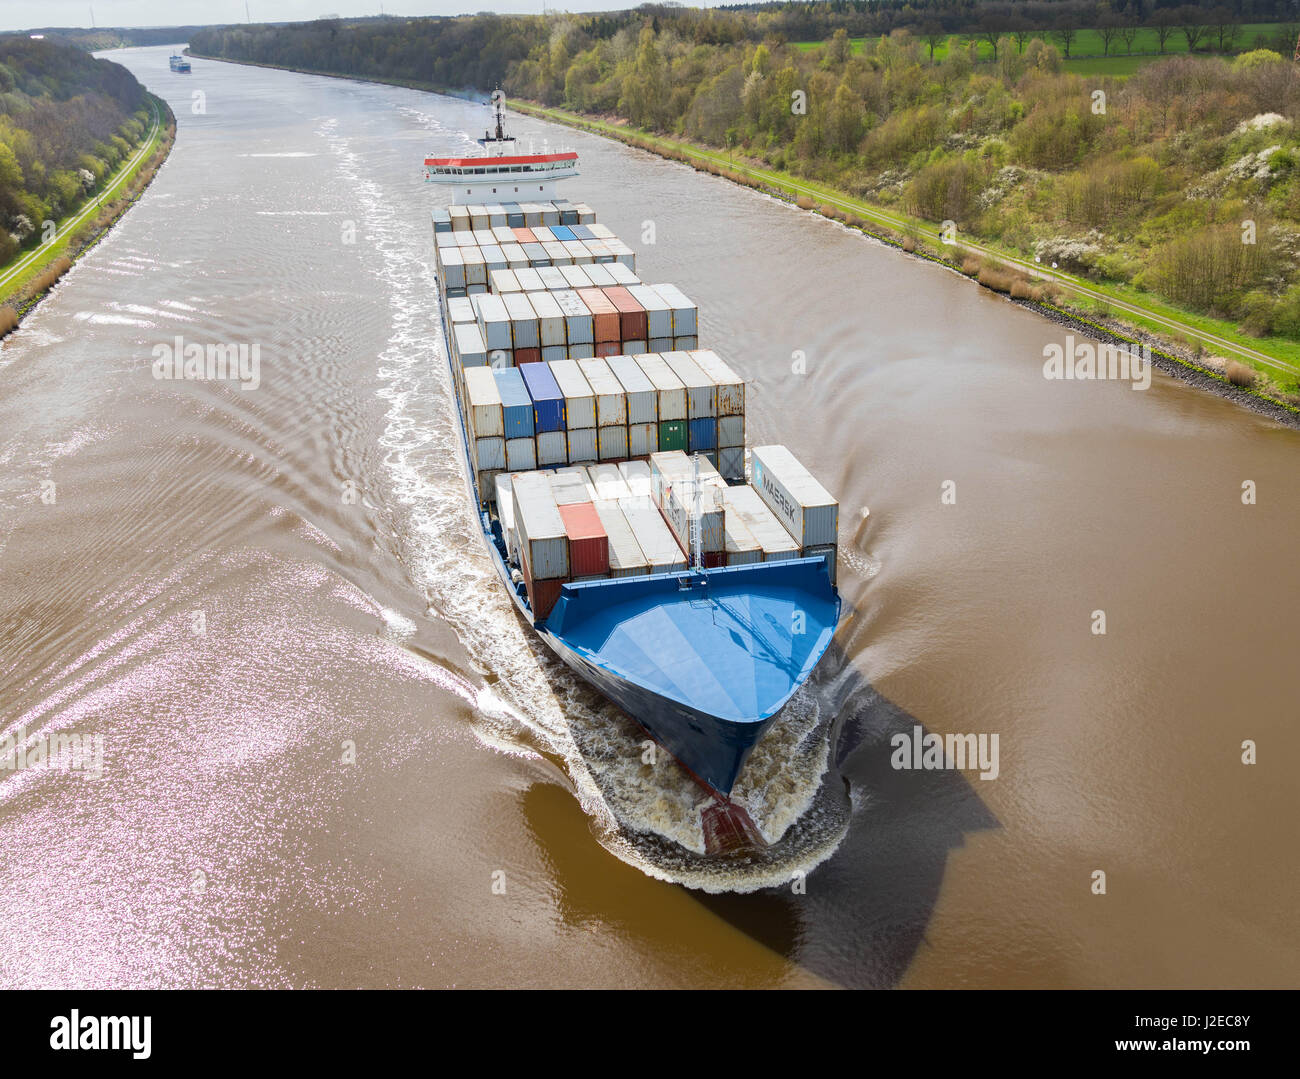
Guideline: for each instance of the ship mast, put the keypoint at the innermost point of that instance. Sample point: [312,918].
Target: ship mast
[696,560]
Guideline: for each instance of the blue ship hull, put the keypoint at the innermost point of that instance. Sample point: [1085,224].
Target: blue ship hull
[704,660]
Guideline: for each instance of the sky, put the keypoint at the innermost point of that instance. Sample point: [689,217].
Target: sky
[24,14]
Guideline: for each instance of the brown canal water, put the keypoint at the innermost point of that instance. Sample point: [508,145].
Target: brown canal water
[325,735]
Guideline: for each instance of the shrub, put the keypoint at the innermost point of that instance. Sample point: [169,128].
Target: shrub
[1239,374]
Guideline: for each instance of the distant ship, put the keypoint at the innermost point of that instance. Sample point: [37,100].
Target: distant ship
[606,462]
[179,64]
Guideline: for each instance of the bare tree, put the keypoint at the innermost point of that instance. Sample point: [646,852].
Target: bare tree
[933,35]
[1065,31]
[1224,26]
[1021,29]
[1164,23]
[1191,21]
[991,29]
[1108,25]
[1128,32]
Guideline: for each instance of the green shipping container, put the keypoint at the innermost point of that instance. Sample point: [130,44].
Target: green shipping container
[672,435]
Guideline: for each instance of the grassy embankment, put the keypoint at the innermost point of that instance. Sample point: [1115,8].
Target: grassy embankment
[1212,348]
[25,279]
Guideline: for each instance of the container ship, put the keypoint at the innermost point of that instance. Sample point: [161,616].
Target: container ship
[692,581]
[179,64]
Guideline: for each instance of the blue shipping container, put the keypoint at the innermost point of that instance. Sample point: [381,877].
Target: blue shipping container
[548,401]
[701,434]
[516,405]
[562,233]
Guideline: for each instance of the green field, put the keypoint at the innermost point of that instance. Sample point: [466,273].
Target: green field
[1086,51]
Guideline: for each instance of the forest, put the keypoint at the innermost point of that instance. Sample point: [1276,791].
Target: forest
[1182,179]
[66,121]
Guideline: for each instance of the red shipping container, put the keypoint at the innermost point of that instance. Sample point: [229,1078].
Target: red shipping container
[631,315]
[524,236]
[588,543]
[542,595]
[608,348]
[604,315]
[527,355]
[713,559]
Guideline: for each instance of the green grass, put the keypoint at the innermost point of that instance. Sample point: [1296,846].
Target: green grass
[1087,47]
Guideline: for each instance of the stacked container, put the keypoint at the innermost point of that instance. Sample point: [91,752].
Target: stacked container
[517,417]
[611,409]
[802,505]
[543,541]
[579,410]
[701,404]
[677,495]
[670,401]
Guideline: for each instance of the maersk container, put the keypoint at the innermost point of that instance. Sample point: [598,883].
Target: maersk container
[579,399]
[552,278]
[626,559]
[729,387]
[659,315]
[575,276]
[701,401]
[582,444]
[672,435]
[588,543]
[569,485]
[493,321]
[489,453]
[552,449]
[529,279]
[543,541]
[548,401]
[523,320]
[611,399]
[642,439]
[579,324]
[685,313]
[556,252]
[516,405]
[642,399]
[801,504]
[612,443]
[453,267]
[544,234]
[701,435]
[662,553]
[741,547]
[521,454]
[468,341]
[483,400]
[550,319]
[670,390]
[731,431]
[636,474]
[731,462]
[516,259]
[599,276]
[608,481]
[604,314]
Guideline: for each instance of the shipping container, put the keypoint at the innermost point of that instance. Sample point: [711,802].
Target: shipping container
[552,278]
[636,474]
[550,318]
[537,255]
[729,387]
[529,280]
[586,215]
[742,548]
[543,541]
[731,431]
[461,310]
[670,390]
[599,276]
[660,344]
[731,462]
[611,400]
[701,435]
[604,314]
[527,355]
[514,215]
[516,405]
[661,550]
[584,472]
[569,485]
[561,233]
[626,559]
[607,481]
[489,453]
[493,322]
[441,220]
[579,400]
[680,496]
[612,443]
[588,543]
[575,276]
[642,399]
[606,349]
[557,254]
[581,352]
[592,232]
[483,398]
[802,505]
[523,320]
[524,235]
[494,258]
[685,344]
[554,353]
[532,214]
[521,454]
[578,321]
[685,313]
[701,399]
[620,252]
[747,504]
[505,501]
[548,401]
[459,217]
[582,444]
[622,275]
[577,251]
[516,257]
[659,315]
[552,449]
[544,234]
[642,439]
[631,315]
[672,435]
[468,343]
[453,268]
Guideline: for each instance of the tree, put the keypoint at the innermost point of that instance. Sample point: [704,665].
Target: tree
[1108,26]
[1164,23]
[933,35]
[1224,26]
[837,53]
[1021,29]
[1065,31]
[1128,32]
[1192,24]
[991,28]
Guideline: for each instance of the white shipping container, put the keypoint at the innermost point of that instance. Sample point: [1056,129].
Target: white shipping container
[569,486]
[577,251]
[489,453]
[516,256]
[611,399]
[642,439]
[578,323]
[685,313]
[493,321]
[685,344]
[553,353]
[523,320]
[746,504]
[552,449]
[483,235]
[544,234]
[626,559]
[581,352]
[731,431]
[579,400]
[636,474]
[505,500]
[575,276]
[529,280]
[670,389]
[460,309]
[801,504]
[662,553]
[459,216]
[660,344]
[608,481]
[521,454]
[741,546]
[486,418]
[642,399]
[622,275]
[679,497]
[502,233]
[701,401]
[599,276]
[612,443]
[543,540]
[602,232]
[731,462]
[469,344]
[557,254]
[552,278]
[659,315]
[453,268]
[550,319]
[729,387]
[582,444]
